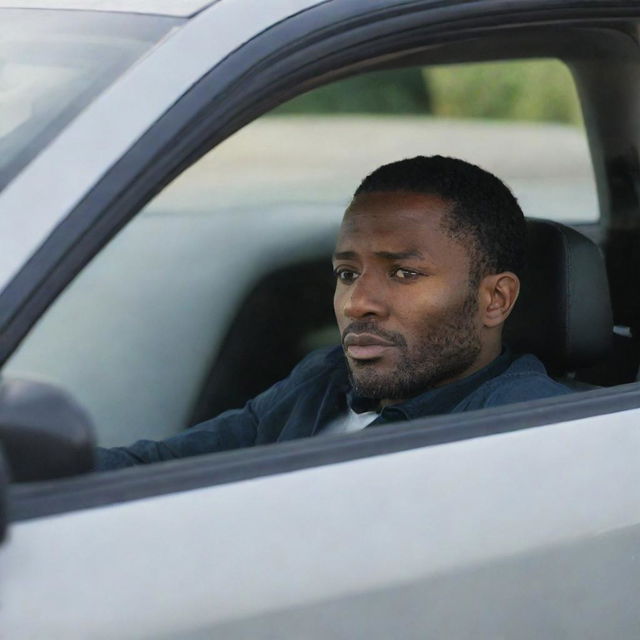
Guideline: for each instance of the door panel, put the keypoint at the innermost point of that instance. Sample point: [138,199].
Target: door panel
[581,590]
[447,527]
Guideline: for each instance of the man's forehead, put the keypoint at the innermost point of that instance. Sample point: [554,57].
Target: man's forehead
[389,211]
[396,205]
[399,222]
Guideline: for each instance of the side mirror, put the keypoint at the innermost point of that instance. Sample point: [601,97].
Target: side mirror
[44,433]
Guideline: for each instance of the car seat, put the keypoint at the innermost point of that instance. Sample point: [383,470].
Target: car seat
[563,314]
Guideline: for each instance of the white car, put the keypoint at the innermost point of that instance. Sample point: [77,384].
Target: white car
[163,257]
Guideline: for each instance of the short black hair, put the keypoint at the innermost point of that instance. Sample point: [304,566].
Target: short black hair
[483,208]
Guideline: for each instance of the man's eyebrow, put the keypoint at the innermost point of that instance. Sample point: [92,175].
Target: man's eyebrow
[345,255]
[387,255]
[400,255]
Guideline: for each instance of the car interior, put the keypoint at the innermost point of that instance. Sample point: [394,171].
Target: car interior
[563,316]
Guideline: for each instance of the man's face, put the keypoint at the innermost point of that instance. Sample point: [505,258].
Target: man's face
[406,313]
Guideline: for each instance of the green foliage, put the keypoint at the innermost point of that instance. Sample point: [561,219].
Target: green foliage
[540,90]
[402,91]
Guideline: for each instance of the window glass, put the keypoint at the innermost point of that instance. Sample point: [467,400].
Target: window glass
[223,282]
[52,64]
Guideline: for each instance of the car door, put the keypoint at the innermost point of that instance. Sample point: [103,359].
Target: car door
[516,522]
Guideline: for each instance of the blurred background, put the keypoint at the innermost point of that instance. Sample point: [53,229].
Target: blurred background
[520,120]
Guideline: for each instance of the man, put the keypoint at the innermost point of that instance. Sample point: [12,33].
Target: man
[426,264]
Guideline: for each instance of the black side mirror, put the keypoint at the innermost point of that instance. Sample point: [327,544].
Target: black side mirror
[44,433]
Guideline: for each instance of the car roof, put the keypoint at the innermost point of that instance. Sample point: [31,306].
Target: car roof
[178,8]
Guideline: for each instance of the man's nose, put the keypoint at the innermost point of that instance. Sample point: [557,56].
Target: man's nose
[364,297]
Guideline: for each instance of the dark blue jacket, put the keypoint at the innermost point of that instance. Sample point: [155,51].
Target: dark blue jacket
[318,391]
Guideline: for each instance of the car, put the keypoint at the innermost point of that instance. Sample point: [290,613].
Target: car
[159,265]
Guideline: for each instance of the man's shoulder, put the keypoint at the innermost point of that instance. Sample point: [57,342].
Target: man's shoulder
[313,374]
[525,379]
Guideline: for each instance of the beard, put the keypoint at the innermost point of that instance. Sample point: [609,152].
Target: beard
[448,347]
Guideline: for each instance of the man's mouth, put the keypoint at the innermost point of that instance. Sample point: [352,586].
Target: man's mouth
[366,346]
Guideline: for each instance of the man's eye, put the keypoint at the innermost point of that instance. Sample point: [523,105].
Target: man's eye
[345,275]
[404,274]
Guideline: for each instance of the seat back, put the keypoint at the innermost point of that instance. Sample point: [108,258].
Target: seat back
[563,314]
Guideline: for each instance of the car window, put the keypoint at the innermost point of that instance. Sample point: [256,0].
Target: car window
[223,282]
[52,64]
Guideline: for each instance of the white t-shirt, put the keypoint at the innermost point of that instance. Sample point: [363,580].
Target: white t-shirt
[351,421]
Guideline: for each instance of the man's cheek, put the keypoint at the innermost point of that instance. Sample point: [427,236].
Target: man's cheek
[339,320]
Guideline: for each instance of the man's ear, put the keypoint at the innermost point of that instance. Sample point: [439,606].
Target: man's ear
[498,294]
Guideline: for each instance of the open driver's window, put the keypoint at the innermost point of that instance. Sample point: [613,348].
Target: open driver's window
[223,281]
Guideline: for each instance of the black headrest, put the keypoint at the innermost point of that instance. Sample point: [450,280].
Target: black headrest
[563,314]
